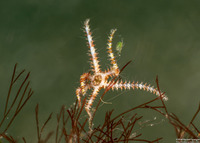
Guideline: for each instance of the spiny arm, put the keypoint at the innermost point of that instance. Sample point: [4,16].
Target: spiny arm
[110,52]
[128,85]
[94,58]
[89,105]
[91,99]
[83,88]
[78,92]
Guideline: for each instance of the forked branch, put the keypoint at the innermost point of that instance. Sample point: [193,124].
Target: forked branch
[19,100]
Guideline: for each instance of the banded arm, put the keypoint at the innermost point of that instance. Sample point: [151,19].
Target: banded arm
[110,53]
[136,85]
[94,63]
[89,105]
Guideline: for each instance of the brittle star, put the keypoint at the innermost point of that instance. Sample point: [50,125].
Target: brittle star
[99,79]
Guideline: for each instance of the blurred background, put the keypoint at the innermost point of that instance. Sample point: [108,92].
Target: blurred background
[46,38]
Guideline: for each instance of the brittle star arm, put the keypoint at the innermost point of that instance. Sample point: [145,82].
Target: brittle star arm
[94,58]
[83,88]
[89,104]
[115,67]
[78,95]
[128,85]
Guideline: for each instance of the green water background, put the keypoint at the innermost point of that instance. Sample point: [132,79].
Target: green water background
[46,38]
